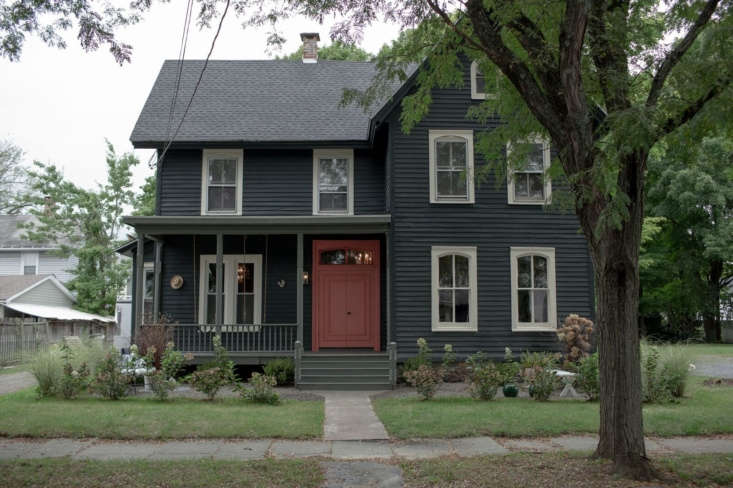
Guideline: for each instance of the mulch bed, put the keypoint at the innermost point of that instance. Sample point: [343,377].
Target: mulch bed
[719,382]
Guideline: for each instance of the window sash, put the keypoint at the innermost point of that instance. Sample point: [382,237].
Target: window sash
[458,172]
[231,296]
[454,297]
[221,193]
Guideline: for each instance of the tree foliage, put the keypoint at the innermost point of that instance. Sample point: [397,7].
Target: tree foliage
[13,178]
[144,203]
[86,224]
[337,51]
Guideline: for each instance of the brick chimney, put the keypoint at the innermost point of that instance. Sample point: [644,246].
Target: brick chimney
[310,46]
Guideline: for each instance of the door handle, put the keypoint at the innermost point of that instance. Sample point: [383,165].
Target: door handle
[348,313]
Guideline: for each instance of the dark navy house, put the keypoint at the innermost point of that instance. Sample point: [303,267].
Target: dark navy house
[293,226]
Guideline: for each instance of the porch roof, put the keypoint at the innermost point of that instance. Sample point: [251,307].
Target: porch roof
[260,224]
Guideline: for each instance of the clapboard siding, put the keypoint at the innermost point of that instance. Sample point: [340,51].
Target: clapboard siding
[491,224]
[276,182]
[61,268]
[45,293]
[9,263]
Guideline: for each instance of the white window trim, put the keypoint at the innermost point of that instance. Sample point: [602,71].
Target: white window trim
[475,94]
[228,154]
[551,325]
[472,324]
[545,164]
[33,261]
[434,134]
[230,289]
[347,154]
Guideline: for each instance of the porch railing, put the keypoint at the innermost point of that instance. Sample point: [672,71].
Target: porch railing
[236,338]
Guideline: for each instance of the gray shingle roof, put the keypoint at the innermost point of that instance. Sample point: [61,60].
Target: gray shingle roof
[257,101]
[12,237]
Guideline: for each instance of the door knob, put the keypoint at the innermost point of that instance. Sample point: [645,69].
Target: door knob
[348,313]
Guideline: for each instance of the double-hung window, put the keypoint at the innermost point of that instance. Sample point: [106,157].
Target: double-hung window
[483,86]
[528,182]
[241,293]
[221,186]
[454,288]
[29,263]
[533,288]
[451,166]
[333,181]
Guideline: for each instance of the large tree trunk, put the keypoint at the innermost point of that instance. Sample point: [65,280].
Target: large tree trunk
[615,254]
[711,316]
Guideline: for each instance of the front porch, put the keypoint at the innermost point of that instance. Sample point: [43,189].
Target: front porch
[253,282]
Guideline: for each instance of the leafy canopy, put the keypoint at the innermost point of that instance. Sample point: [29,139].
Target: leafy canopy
[337,51]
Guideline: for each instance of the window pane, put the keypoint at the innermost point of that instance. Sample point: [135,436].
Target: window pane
[461,305]
[458,155]
[540,305]
[245,278]
[245,309]
[461,271]
[521,186]
[458,187]
[535,158]
[445,306]
[332,202]
[356,256]
[442,150]
[536,186]
[212,277]
[223,171]
[445,271]
[444,183]
[525,314]
[29,270]
[222,198]
[211,309]
[540,272]
[480,81]
[336,256]
[524,273]
[149,283]
[333,176]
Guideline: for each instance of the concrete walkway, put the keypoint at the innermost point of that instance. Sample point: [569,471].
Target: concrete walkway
[10,383]
[337,450]
[350,417]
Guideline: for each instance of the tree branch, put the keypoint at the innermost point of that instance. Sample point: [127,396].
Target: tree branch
[687,114]
[674,56]
[609,56]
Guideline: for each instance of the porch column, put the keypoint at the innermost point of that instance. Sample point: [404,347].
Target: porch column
[219,280]
[388,281]
[139,284]
[158,265]
[299,286]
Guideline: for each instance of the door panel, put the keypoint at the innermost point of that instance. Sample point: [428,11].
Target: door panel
[358,312]
[334,290]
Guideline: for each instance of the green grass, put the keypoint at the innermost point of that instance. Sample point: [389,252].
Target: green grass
[561,470]
[16,368]
[706,410]
[62,473]
[138,418]
[697,350]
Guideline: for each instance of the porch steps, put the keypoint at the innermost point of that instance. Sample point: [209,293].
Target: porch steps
[345,371]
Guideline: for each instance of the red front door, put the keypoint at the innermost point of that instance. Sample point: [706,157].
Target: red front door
[346,294]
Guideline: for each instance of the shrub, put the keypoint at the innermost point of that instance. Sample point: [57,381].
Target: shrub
[282,369]
[531,363]
[485,380]
[208,381]
[171,362]
[675,369]
[543,383]
[422,358]
[222,361]
[664,373]
[110,381]
[90,352]
[449,356]
[509,369]
[153,339]
[575,336]
[47,368]
[260,389]
[73,381]
[162,385]
[425,379]
[588,378]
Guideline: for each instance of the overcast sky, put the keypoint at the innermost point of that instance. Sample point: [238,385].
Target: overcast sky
[60,105]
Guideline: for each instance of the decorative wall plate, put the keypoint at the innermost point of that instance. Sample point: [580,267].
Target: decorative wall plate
[177,282]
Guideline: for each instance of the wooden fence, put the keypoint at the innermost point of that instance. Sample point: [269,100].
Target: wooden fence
[21,340]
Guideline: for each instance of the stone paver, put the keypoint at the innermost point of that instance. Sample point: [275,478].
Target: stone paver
[530,445]
[698,445]
[576,443]
[361,450]
[13,382]
[242,450]
[300,449]
[477,446]
[361,475]
[104,451]
[14,449]
[60,448]
[185,450]
[424,449]
[349,416]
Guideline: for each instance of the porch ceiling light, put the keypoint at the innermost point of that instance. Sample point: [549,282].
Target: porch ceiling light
[306,278]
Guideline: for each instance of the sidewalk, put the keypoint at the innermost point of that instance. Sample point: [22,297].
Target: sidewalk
[243,450]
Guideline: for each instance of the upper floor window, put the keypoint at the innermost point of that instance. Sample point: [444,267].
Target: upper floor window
[221,186]
[528,182]
[533,288]
[29,263]
[451,166]
[483,85]
[333,181]
[454,288]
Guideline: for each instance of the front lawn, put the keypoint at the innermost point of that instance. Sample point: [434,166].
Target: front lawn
[65,473]
[561,470]
[706,410]
[697,350]
[146,418]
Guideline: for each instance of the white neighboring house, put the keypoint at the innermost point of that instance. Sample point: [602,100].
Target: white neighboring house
[44,298]
[20,256]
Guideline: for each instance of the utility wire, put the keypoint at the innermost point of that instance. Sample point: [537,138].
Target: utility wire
[181,57]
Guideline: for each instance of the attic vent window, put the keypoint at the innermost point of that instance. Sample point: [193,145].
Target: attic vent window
[310,46]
